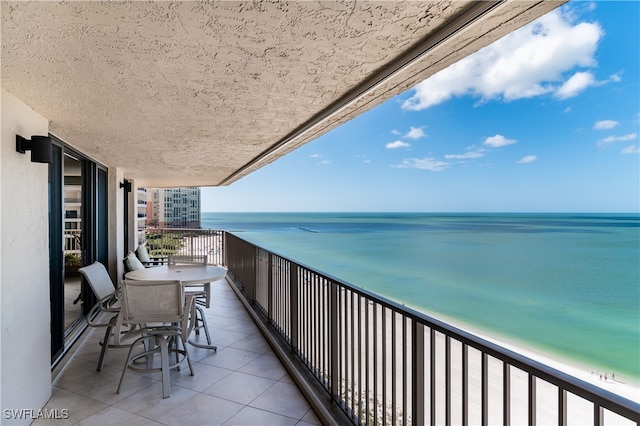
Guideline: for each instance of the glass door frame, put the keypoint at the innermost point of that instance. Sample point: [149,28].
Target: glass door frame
[94,239]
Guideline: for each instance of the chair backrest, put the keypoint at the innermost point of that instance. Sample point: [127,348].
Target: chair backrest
[99,280]
[185,259]
[152,301]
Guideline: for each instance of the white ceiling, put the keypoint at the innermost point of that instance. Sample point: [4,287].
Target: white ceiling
[191,93]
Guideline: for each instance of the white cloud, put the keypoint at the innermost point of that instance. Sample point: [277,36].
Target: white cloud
[612,139]
[605,124]
[527,159]
[631,149]
[315,156]
[465,156]
[529,62]
[397,144]
[576,84]
[498,141]
[415,133]
[427,163]
[323,162]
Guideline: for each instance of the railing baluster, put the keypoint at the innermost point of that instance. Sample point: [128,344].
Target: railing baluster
[359,352]
[352,382]
[465,384]
[448,380]
[375,364]
[485,390]
[405,385]
[394,369]
[562,407]
[506,394]
[384,365]
[367,351]
[270,312]
[432,381]
[597,415]
[293,303]
[417,364]
[532,400]
[334,314]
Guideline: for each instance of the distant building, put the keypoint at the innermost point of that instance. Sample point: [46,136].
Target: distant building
[141,209]
[173,207]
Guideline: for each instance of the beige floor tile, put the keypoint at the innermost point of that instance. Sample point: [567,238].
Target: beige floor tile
[250,416]
[254,343]
[115,416]
[149,400]
[282,398]
[239,387]
[310,418]
[204,376]
[267,366]
[231,358]
[201,410]
[78,407]
[81,377]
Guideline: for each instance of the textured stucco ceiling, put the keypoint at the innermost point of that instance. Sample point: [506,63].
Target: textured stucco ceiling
[203,93]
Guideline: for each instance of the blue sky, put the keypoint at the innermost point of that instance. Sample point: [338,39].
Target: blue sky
[544,120]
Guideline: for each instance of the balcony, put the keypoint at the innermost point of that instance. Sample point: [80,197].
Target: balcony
[341,354]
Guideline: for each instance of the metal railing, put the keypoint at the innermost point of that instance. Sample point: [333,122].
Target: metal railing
[161,242]
[73,241]
[383,363]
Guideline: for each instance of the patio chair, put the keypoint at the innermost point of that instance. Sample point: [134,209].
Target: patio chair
[201,293]
[163,319]
[105,313]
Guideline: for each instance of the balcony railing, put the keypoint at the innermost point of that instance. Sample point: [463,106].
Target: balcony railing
[383,363]
[162,242]
[73,241]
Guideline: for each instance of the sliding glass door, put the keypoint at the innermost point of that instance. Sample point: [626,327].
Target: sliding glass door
[78,237]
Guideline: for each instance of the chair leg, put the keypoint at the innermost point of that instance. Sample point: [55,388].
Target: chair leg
[186,354]
[204,325]
[105,345]
[126,367]
[164,360]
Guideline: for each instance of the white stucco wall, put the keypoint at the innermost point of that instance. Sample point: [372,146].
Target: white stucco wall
[25,347]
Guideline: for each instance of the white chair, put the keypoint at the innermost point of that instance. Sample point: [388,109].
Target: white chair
[164,320]
[201,293]
[105,313]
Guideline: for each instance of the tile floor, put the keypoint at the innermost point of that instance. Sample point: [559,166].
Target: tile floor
[243,383]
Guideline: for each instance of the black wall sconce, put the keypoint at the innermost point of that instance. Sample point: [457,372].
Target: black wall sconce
[40,147]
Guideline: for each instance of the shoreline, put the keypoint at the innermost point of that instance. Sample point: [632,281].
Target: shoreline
[627,387]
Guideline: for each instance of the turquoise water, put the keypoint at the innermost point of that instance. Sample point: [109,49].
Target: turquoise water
[566,284]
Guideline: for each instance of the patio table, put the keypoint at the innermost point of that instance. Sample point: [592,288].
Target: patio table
[189,275]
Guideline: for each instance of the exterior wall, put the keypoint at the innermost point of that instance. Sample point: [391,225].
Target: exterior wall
[174,207]
[116,224]
[25,347]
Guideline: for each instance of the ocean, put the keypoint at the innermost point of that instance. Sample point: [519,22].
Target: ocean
[567,285]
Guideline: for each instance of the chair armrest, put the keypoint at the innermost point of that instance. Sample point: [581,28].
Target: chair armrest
[107,305]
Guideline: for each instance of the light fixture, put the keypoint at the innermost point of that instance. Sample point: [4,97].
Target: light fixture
[40,147]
